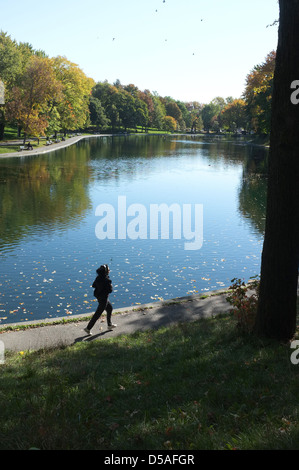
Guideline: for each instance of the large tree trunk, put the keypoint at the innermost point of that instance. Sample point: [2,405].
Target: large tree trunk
[276,316]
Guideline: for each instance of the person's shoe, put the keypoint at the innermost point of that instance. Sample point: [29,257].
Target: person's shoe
[88,331]
[110,327]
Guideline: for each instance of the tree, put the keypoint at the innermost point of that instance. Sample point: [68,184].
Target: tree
[159,112]
[73,108]
[186,116]
[169,124]
[258,94]
[10,60]
[209,112]
[109,97]
[97,113]
[276,314]
[29,103]
[233,116]
[127,109]
[173,110]
[10,70]
[142,116]
[147,98]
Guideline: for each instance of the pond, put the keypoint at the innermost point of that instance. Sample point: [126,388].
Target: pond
[53,223]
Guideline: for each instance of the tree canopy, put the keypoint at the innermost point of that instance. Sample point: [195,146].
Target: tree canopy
[49,95]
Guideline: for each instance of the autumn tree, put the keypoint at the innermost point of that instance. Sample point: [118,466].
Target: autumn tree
[169,124]
[173,110]
[73,107]
[258,94]
[148,100]
[234,115]
[30,101]
[276,315]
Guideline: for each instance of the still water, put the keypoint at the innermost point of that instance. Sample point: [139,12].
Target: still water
[49,250]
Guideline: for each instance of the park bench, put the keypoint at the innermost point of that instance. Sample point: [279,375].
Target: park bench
[25,147]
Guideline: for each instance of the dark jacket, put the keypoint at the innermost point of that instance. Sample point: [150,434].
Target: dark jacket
[102,285]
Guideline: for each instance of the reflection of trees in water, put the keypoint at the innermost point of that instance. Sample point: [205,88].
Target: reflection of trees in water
[132,156]
[252,201]
[50,192]
[47,192]
[253,189]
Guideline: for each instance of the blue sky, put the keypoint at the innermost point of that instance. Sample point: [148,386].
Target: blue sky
[192,50]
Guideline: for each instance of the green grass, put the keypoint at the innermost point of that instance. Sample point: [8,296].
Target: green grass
[195,386]
[11,134]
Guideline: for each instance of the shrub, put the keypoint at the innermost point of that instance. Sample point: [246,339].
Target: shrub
[244,298]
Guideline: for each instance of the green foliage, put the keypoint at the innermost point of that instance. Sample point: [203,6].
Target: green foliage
[81,101]
[258,94]
[244,299]
[209,114]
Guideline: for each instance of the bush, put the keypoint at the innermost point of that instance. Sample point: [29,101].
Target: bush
[244,298]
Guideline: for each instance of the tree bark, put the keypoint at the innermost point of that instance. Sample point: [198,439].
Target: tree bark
[2,127]
[276,315]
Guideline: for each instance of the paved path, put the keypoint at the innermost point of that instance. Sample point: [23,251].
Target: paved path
[51,148]
[128,320]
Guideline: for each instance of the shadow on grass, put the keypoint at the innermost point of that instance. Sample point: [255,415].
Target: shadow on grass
[193,386]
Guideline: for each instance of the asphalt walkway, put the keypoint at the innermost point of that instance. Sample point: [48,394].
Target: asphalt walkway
[51,148]
[43,335]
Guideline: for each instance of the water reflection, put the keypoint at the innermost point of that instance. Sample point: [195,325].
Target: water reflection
[48,248]
[42,195]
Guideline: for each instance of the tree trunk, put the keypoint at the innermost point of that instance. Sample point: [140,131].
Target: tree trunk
[276,315]
[2,127]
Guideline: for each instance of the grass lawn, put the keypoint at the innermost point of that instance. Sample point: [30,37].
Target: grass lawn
[15,148]
[7,145]
[11,142]
[194,386]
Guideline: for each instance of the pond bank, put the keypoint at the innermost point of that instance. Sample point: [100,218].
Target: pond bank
[44,334]
[53,147]
[254,140]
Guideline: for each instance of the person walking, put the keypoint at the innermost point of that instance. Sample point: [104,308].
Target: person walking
[102,288]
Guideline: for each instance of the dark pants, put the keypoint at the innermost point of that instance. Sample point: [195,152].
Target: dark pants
[104,304]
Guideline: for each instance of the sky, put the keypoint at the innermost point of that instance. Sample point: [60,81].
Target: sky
[191,50]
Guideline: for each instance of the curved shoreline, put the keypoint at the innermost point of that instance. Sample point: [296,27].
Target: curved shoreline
[53,147]
[73,140]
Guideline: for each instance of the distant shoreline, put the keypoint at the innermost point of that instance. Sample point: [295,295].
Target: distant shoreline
[260,141]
